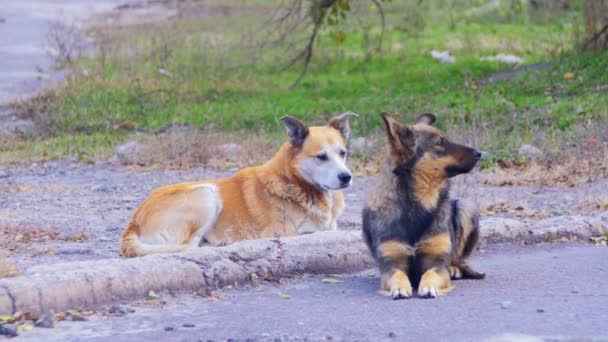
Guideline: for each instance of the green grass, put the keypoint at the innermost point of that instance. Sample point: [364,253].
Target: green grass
[215,80]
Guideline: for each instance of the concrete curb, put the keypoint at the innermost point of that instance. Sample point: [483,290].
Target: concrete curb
[64,286]
[67,285]
[498,229]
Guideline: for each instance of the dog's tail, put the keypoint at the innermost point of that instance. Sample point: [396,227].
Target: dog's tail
[132,246]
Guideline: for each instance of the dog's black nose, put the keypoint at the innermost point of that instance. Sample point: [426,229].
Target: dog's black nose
[344,177]
[477,154]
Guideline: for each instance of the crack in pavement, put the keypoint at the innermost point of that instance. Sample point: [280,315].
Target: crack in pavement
[12,297]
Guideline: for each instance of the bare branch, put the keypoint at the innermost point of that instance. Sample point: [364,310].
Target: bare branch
[318,14]
[383,22]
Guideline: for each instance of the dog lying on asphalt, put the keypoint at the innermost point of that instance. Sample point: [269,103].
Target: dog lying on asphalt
[418,235]
[295,192]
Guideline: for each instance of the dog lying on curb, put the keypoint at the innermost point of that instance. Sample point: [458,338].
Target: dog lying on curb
[418,235]
[295,192]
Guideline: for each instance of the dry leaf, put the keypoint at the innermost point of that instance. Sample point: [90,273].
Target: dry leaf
[25,327]
[331,281]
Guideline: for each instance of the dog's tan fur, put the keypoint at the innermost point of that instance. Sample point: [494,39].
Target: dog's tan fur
[274,199]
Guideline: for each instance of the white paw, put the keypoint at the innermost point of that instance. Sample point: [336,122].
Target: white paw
[400,293]
[427,292]
[195,242]
[455,272]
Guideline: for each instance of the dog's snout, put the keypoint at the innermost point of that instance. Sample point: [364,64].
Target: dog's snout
[345,177]
[477,154]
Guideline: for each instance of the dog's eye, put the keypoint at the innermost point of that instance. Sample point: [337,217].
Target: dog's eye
[322,156]
[342,153]
[440,142]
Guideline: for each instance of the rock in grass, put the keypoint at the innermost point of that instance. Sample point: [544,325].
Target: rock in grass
[507,59]
[9,330]
[119,309]
[443,57]
[530,152]
[46,320]
[129,152]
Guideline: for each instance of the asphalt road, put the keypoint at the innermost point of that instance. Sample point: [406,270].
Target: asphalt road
[27,65]
[558,290]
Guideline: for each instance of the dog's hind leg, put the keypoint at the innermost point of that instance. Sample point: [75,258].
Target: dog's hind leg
[465,221]
[209,208]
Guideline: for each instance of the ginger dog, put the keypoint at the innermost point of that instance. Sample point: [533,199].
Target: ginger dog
[296,192]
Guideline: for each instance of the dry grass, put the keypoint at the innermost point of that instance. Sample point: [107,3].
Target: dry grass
[570,170]
[184,148]
[190,148]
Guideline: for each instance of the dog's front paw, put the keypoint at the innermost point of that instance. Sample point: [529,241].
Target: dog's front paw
[427,292]
[400,286]
[433,283]
[401,293]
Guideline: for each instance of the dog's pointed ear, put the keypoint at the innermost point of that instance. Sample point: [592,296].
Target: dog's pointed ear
[426,119]
[400,137]
[296,130]
[340,123]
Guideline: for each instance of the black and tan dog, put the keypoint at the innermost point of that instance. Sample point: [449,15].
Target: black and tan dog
[418,235]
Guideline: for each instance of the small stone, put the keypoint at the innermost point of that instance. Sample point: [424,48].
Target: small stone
[530,152]
[443,57]
[392,335]
[505,305]
[119,309]
[76,317]
[169,328]
[165,72]
[540,310]
[46,320]
[507,59]
[9,330]
[188,325]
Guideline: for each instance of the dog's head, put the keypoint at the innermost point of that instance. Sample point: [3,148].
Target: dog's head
[320,152]
[422,149]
